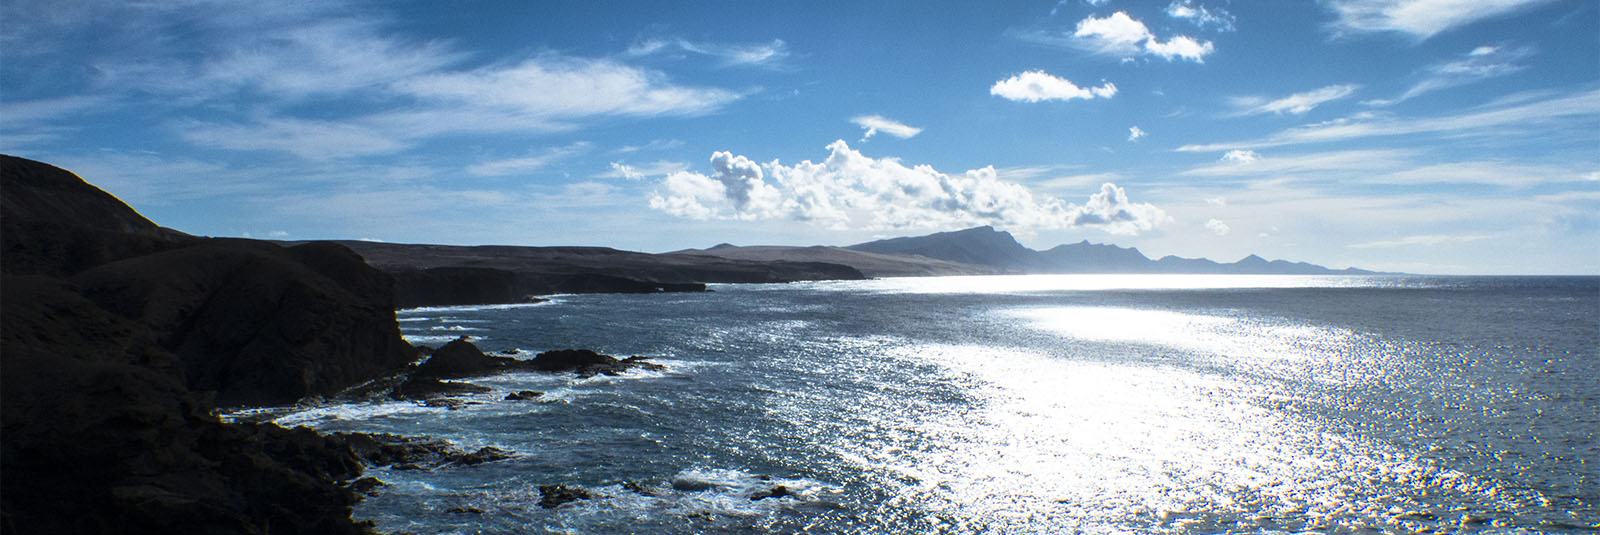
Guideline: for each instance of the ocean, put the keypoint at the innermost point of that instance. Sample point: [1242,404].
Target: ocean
[1025,404]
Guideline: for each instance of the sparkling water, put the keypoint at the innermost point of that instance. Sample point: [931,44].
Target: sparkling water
[1025,404]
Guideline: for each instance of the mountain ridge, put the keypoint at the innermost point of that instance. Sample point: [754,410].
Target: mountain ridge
[1081,257]
[985,250]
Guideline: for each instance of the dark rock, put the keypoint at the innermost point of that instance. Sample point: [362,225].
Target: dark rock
[413,453]
[101,435]
[428,387]
[691,485]
[257,323]
[778,491]
[573,360]
[460,358]
[452,404]
[525,395]
[552,496]
[367,486]
[483,455]
[465,510]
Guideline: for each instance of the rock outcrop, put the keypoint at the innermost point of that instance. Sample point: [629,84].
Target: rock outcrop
[460,359]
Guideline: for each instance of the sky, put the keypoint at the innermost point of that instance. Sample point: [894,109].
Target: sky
[1426,136]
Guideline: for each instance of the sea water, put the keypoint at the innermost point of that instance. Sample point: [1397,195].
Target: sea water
[1025,404]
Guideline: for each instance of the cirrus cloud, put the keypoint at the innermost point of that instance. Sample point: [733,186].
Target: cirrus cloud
[878,123]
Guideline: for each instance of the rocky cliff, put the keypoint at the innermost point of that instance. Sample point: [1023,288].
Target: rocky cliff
[116,337]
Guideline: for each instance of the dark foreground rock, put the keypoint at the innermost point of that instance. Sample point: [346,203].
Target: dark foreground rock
[119,334]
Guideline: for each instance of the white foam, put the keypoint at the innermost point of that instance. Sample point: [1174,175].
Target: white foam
[473,308]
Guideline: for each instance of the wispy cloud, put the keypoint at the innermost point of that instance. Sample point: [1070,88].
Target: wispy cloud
[878,123]
[643,171]
[1216,226]
[1134,133]
[1419,18]
[1248,163]
[515,166]
[849,190]
[1036,86]
[309,139]
[1480,121]
[1297,104]
[1421,240]
[1481,63]
[331,80]
[730,54]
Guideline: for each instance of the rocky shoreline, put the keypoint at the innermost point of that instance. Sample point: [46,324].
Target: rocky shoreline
[120,338]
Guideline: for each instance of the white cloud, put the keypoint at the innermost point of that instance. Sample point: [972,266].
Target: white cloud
[1218,227]
[730,54]
[312,140]
[1422,240]
[640,172]
[878,123]
[376,89]
[1134,133]
[560,87]
[1241,156]
[1217,201]
[1241,162]
[1122,35]
[1201,15]
[1481,63]
[1298,103]
[851,191]
[513,166]
[1420,18]
[654,144]
[1480,121]
[1035,86]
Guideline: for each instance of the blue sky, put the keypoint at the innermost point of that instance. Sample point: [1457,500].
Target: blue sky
[1440,136]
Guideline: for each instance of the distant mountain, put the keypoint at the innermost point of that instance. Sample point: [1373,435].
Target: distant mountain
[868,263]
[982,246]
[985,246]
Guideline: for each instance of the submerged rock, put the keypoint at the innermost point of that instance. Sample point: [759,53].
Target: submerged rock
[778,491]
[525,395]
[552,496]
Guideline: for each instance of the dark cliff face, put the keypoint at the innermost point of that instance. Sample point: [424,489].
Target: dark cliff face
[117,336]
[54,223]
[257,323]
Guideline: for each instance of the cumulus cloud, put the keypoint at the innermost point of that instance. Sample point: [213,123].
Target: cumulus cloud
[1201,15]
[878,123]
[1298,103]
[1134,133]
[1122,35]
[1420,18]
[1240,156]
[1218,227]
[851,190]
[1035,86]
